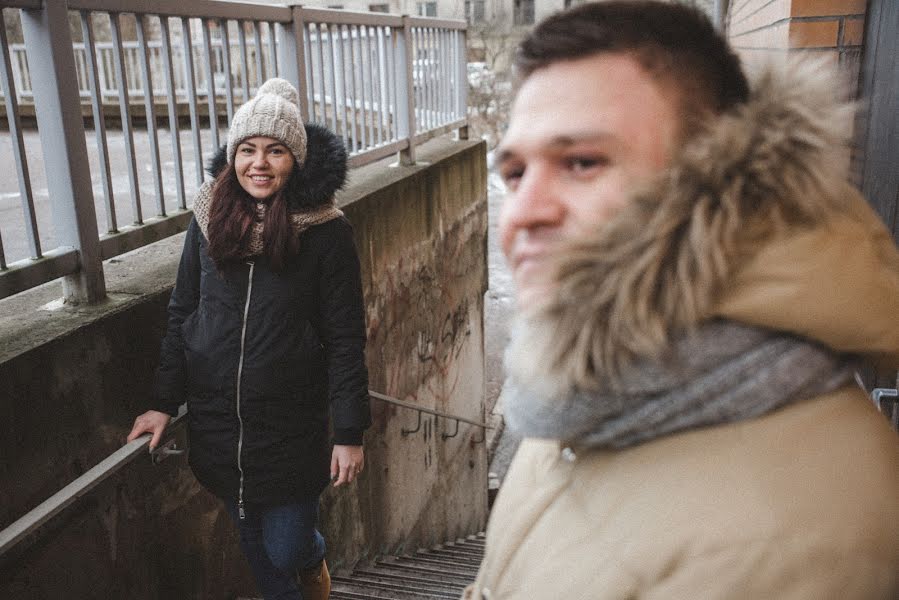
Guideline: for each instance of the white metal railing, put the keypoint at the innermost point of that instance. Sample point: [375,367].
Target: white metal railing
[384,83]
[109,91]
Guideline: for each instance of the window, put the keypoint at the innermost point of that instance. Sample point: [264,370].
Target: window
[524,12]
[381,8]
[427,9]
[474,11]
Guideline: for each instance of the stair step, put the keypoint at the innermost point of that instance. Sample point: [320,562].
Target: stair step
[354,582]
[437,574]
[427,569]
[388,580]
[424,560]
[454,556]
[394,593]
[442,578]
[462,548]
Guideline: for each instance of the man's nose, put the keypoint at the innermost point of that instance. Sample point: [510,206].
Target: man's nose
[536,202]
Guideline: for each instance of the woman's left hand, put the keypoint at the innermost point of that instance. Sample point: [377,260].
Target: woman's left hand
[346,463]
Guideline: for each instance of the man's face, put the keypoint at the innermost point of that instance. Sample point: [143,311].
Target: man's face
[582,135]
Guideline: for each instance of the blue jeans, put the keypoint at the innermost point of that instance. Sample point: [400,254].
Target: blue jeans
[278,541]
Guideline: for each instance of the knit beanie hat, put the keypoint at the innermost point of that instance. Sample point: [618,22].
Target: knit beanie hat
[273,113]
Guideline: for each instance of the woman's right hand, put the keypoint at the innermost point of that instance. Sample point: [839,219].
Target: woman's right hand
[153,422]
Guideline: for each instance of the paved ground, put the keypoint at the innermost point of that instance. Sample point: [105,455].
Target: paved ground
[497,316]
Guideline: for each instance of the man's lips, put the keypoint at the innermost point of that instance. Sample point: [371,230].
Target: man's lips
[530,253]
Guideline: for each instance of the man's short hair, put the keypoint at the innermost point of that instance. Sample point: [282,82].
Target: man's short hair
[676,45]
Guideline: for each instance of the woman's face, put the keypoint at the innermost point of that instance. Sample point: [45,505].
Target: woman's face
[263,166]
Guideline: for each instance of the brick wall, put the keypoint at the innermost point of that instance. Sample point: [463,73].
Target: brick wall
[834,28]
[831,28]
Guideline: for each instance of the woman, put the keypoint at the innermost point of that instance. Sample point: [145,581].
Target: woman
[266,330]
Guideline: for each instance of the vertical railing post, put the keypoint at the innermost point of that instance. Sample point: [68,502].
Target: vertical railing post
[292,55]
[405,87]
[719,14]
[48,44]
[462,84]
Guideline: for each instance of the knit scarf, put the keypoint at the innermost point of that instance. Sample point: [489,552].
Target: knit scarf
[723,372]
[300,221]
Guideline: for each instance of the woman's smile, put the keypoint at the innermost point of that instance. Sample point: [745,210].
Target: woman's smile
[263,166]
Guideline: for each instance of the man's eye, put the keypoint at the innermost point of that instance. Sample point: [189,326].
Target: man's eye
[583,164]
[511,176]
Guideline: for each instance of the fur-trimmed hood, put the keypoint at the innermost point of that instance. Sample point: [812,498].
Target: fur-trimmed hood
[764,182]
[322,174]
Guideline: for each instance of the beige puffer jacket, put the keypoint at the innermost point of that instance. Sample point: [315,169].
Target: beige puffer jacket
[802,503]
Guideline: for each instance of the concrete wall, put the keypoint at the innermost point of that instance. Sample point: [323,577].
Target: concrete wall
[72,380]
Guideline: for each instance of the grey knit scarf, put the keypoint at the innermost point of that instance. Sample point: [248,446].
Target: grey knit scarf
[721,373]
[299,221]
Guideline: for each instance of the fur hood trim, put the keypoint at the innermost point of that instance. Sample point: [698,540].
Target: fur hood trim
[657,269]
[322,174]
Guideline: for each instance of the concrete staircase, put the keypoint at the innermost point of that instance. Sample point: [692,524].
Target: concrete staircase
[439,573]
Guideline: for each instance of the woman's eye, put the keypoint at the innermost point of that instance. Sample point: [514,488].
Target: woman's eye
[277,151]
[246,151]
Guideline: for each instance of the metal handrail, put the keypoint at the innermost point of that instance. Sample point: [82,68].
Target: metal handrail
[430,411]
[204,9]
[437,415]
[65,497]
[44,512]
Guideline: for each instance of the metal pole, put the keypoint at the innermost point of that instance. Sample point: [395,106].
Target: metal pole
[720,14]
[125,112]
[404,88]
[169,69]
[57,104]
[152,134]
[461,83]
[90,52]
[15,130]
[190,87]
[210,84]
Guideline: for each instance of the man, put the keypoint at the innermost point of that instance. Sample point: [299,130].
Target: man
[696,283]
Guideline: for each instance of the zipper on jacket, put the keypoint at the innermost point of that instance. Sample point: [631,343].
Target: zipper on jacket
[243,336]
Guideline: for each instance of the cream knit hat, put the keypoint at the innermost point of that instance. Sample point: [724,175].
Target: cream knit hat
[272,113]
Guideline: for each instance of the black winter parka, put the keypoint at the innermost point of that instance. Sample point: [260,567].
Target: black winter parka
[260,356]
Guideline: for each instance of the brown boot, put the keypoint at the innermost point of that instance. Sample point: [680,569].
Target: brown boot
[316,582]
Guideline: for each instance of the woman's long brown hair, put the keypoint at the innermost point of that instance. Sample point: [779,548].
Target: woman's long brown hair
[232,212]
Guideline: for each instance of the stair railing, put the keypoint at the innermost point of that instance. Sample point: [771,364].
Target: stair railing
[39,516]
